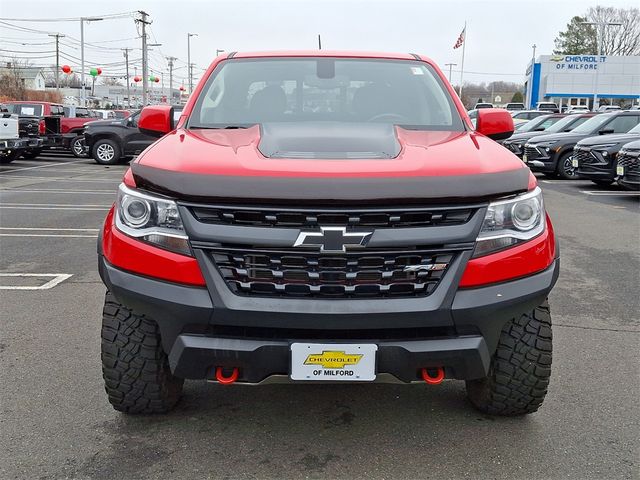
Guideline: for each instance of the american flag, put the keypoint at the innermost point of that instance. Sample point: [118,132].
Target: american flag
[460,39]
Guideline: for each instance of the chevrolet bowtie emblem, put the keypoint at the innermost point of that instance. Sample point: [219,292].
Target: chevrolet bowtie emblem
[333,239]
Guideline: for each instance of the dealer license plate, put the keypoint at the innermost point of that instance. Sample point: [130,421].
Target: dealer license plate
[333,362]
[574,162]
[524,158]
[619,170]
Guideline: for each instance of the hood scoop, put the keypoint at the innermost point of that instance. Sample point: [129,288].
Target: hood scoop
[329,140]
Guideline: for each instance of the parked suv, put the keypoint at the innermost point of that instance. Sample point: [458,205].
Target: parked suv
[595,157]
[628,167]
[548,107]
[559,123]
[552,154]
[514,106]
[315,216]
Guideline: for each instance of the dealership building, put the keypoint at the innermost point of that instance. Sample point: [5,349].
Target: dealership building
[574,79]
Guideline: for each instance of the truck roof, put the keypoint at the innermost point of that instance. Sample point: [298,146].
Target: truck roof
[327,53]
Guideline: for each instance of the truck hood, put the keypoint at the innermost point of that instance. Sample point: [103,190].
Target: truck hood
[609,139]
[284,165]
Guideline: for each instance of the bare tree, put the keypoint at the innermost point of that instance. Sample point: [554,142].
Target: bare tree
[617,40]
[111,81]
[11,81]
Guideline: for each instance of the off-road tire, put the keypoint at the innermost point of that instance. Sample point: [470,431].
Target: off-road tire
[101,149]
[564,167]
[135,368]
[520,369]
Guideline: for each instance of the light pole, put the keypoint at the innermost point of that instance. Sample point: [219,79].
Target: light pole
[82,20]
[218,51]
[599,26]
[170,61]
[145,70]
[189,35]
[450,65]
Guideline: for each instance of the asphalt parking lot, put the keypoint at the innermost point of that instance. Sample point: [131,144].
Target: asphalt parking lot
[55,421]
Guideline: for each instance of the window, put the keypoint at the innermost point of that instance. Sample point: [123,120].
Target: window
[245,92]
[622,124]
[26,109]
[57,110]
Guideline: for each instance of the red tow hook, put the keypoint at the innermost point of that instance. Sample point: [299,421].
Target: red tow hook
[437,380]
[226,380]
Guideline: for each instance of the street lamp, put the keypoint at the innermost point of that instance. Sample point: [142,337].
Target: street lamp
[189,35]
[82,20]
[599,26]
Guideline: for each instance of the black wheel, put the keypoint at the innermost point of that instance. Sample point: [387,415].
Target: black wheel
[135,368]
[603,183]
[31,154]
[7,158]
[106,152]
[520,369]
[565,168]
[77,146]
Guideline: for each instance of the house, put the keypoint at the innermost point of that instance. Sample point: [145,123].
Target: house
[31,77]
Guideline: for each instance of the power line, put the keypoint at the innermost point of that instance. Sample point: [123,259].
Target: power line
[67,19]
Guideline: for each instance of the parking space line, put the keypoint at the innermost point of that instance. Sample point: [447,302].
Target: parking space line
[43,229]
[57,279]
[56,191]
[22,204]
[67,179]
[70,208]
[40,166]
[46,236]
[610,193]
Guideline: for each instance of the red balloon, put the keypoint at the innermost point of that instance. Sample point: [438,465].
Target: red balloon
[181,88]
[156,79]
[66,69]
[136,79]
[99,71]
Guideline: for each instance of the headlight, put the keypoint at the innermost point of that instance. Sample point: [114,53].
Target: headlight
[151,219]
[509,222]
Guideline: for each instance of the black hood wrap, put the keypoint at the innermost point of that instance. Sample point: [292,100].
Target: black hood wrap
[227,189]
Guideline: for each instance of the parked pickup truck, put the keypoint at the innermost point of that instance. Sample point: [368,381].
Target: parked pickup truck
[11,145]
[49,120]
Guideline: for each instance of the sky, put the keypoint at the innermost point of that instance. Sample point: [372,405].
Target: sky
[499,40]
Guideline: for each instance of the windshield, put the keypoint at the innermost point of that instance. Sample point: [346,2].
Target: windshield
[592,124]
[241,93]
[563,123]
[25,109]
[532,124]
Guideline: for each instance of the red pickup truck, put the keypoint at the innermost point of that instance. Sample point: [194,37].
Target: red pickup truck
[72,121]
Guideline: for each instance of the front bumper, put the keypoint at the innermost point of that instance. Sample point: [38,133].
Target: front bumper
[630,181]
[200,333]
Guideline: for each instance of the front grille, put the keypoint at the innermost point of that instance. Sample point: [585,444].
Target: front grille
[584,157]
[630,162]
[291,273]
[531,152]
[516,148]
[298,218]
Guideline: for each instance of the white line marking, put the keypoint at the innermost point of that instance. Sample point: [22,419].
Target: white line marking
[57,279]
[577,182]
[45,236]
[44,190]
[21,204]
[610,193]
[73,209]
[39,229]
[40,166]
[67,179]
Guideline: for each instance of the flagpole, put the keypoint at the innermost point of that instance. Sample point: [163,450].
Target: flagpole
[464,44]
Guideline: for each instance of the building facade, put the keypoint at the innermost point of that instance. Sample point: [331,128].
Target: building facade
[575,79]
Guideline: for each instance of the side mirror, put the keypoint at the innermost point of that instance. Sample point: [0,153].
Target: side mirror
[495,123]
[606,131]
[156,120]
[539,129]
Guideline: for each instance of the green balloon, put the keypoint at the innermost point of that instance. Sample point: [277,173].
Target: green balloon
[152,78]
[93,72]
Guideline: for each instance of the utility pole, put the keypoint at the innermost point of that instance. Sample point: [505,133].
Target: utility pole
[450,65]
[126,59]
[57,37]
[189,73]
[600,26]
[144,22]
[170,61]
[83,94]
